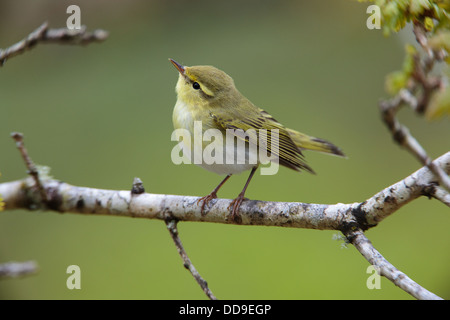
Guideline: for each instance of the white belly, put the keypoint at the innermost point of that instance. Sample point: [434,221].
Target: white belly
[222,158]
[234,160]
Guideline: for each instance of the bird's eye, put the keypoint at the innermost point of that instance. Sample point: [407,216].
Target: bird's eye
[196,85]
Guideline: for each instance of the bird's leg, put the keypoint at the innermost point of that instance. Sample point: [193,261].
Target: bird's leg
[213,194]
[236,203]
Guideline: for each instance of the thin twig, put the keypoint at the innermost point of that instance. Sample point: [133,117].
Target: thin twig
[421,38]
[32,170]
[136,191]
[172,227]
[365,247]
[44,35]
[403,137]
[424,86]
[440,194]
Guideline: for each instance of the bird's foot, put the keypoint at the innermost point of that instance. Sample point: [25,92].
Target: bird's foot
[234,207]
[205,200]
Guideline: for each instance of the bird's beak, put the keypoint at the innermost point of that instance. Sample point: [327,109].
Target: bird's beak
[179,67]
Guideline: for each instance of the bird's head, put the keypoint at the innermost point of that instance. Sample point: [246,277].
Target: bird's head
[200,85]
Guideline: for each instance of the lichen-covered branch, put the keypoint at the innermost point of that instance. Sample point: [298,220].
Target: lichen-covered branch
[385,268]
[423,182]
[63,197]
[348,218]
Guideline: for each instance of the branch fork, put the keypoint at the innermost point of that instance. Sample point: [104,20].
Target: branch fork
[351,219]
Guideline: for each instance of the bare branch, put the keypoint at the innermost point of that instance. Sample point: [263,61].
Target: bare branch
[18,137]
[44,35]
[433,55]
[347,218]
[440,194]
[404,138]
[365,247]
[422,182]
[423,85]
[64,197]
[172,227]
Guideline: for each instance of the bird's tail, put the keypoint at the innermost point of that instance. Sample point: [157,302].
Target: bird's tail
[305,142]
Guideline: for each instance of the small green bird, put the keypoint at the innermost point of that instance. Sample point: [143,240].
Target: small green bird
[207,94]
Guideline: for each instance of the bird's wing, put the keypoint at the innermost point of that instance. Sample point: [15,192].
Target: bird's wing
[251,117]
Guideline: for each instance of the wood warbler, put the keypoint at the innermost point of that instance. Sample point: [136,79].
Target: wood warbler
[208,96]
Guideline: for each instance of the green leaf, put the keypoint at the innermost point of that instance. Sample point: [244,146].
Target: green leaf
[439,105]
[395,81]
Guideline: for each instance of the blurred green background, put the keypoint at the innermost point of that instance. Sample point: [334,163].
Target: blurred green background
[101,115]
